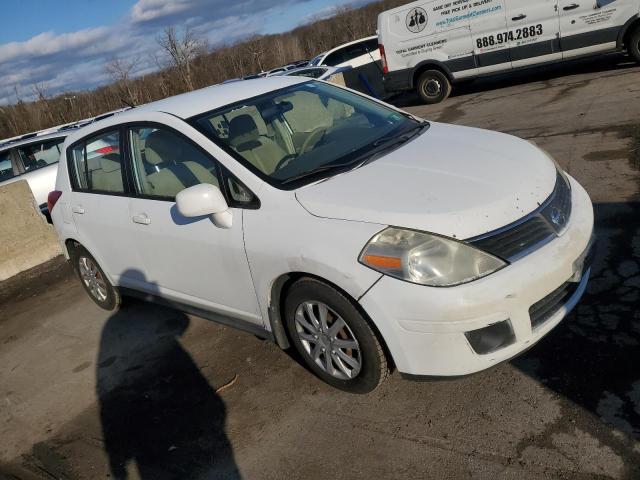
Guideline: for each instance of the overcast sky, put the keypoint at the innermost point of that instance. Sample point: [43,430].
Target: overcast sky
[65,45]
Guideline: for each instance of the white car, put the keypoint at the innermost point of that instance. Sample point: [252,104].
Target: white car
[33,158]
[316,217]
[427,46]
[353,54]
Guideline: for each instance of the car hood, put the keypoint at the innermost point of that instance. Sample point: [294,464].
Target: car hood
[455,181]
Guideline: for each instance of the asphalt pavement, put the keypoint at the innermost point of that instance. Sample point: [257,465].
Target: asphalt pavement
[85,394]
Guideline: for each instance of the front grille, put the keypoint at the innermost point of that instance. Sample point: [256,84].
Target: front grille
[546,308]
[533,231]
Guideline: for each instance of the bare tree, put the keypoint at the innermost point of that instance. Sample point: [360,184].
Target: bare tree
[182,50]
[41,97]
[191,65]
[121,71]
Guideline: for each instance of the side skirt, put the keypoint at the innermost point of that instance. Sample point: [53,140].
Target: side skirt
[238,324]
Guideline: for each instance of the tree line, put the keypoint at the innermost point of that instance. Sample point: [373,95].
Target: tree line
[187,63]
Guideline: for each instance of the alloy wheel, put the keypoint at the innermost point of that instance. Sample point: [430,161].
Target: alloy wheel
[328,340]
[92,278]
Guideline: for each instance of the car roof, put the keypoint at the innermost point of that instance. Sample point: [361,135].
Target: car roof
[30,140]
[200,101]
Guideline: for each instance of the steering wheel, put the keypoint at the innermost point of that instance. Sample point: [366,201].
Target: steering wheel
[285,161]
[314,138]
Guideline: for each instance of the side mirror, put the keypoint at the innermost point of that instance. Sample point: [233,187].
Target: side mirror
[205,199]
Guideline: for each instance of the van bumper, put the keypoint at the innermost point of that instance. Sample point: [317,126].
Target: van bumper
[400,80]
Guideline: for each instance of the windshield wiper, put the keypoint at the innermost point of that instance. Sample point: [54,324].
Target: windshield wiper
[384,143]
[402,138]
[314,171]
[378,146]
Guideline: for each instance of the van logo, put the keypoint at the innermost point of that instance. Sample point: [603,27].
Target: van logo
[417,20]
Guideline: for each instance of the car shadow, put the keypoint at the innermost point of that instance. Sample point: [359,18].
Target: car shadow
[158,412]
[603,63]
[593,357]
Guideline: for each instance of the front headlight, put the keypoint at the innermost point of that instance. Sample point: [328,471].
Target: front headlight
[427,259]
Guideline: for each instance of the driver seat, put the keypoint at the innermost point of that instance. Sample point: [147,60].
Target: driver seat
[260,151]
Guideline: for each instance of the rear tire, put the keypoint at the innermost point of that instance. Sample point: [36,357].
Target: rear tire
[634,44]
[93,279]
[348,356]
[433,87]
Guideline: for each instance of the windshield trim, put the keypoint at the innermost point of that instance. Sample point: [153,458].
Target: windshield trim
[348,161]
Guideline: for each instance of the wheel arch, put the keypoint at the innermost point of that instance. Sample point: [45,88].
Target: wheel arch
[627,30]
[279,290]
[422,67]
[71,244]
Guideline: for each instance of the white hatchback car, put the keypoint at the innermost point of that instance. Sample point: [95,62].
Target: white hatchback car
[317,217]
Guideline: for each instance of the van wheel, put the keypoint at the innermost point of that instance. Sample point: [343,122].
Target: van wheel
[93,280]
[433,86]
[333,337]
[634,46]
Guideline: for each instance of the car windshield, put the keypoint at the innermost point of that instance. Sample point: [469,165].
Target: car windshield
[316,60]
[289,136]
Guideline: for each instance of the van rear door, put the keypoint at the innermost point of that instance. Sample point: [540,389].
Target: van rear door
[534,31]
[589,26]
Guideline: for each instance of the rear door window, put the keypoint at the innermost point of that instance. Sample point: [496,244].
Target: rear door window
[39,155]
[6,167]
[97,164]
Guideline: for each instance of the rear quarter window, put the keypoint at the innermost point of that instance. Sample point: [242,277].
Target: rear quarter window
[96,164]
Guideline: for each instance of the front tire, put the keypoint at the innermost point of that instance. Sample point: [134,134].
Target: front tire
[634,44]
[93,280]
[333,337]
[433,86]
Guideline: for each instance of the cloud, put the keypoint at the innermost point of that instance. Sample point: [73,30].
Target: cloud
[174,11]
[77,60]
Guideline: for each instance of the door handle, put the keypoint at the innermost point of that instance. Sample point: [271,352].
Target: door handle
[573,6]
[142,219]
[522,16]
[77,209]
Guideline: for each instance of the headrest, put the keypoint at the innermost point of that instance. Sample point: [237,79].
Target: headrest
[162,147]
[108,165]
[242,129]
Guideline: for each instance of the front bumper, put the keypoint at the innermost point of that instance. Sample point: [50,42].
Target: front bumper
[424,328]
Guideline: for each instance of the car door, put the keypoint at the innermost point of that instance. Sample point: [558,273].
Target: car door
[39,163]
[99,204]
[588,26]
[490,37]
[187,260]
[534,31]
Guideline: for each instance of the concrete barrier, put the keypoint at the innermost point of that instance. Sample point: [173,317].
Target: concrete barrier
[26,240]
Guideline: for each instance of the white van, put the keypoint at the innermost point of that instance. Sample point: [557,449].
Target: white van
[428,45]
